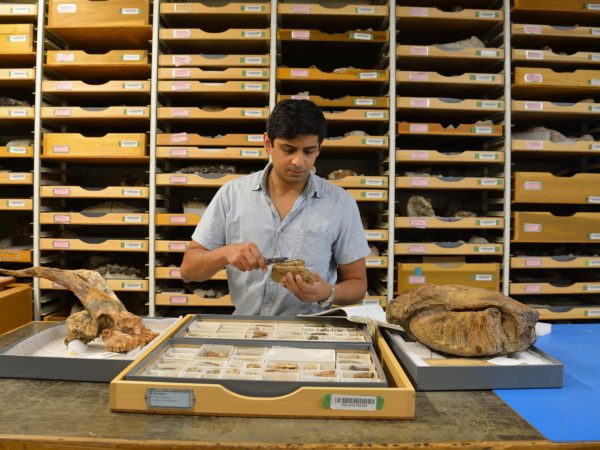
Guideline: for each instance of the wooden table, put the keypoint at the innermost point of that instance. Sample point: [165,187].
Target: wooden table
[39,414]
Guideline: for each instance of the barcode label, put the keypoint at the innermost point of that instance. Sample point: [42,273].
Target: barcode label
[483,277]
[132,219]
[364,101]
[353,402]
[17,150]
[253,86]
[130,11]
[131,86]
[372,182]
[487,222]
[361,36]
[375,115]
[18,74]
[532,227]
[132,192]
[17,177]
[17,113]
[129,144]
[252,34]
[253,60]
[132,245]
[132,285]
[373,235]
[533,262]
[16,203]
[131,57]
[252,8]
[371,194]
[178,299]
[251,153]
[134,111]
[66,8]
[486,156]
[486,249]
[368,75]
[373,262]
[253,112]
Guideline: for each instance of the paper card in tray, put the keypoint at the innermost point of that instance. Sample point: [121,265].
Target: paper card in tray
[372,314]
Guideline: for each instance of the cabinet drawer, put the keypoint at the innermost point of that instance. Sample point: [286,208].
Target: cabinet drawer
[106,13]
[545,227]
[543,187]
[484,275]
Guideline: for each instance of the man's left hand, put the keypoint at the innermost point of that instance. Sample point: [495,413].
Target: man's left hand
[317,291]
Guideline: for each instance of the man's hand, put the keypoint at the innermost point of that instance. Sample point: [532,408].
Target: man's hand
[246,257]
[317,291]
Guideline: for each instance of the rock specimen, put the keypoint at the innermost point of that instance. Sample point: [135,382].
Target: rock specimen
[295,266]
[464,321]
[104,314]
[418,206]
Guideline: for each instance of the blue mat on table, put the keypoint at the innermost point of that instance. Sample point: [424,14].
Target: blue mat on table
[571,413]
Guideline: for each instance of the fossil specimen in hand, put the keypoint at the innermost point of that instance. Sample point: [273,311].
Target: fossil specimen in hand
[463,320]
[295,266]
[104,314]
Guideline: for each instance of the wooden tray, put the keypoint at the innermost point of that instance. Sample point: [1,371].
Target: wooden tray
[173,273]
[456,223]
[376,262]
[347,143]
[100,192]
[16,152]
[360,182]
[417,248]
[168,299]
[545,58]
[544,187]
[18,12]
[231,73]
[230,114]
[17,78]
[227,140]
[20,255]
[549,289]
[554,262]
[320,36]
[357,115]
[89,219]
[347,101]
[483,275]
[122,145]
[16,39]
[575,148]
[88,13]
[436,156]
[585,313]
[582,227]
[318,76]
[213,61]
[178,179]
[368,195]
[450,183]
[464,129]
[116,64]
[16,204]
[226,153]
[168,246]
[18,178]
[117,285]
[167,219]
[112,245]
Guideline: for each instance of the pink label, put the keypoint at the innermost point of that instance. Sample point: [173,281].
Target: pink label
[532,227]
[418,223]
[182,34]
[419,12]
[534,145]
[178,179]
[176,246]
[532,29]
[533,78]
[180,60]
[301,8]
[416,279]
[300,34]
[419,154]
[60,244]
[529,288]
[174,273]
[180,86]
[178,299]
[181,73]
[180,112]
[61,191]
[419,50]
[419,181]
[416,249]
[534,54]
[419,102]
[178,152]
[179,137]
[62,218]
[533,262]
[299,72]
[178,219]
[419,128]
[62,112]
[418,76]
[532,185]
[64,86]
[60,149]
[534,106]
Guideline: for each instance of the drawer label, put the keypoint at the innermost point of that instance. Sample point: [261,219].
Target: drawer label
[182,34]
[178,219]
[592,312]
[131,57]
[419,102]
[419,50]
[130,11]
[61,218]
[486,249]
[361,36]
[15,203]
[129,144]
[483,77]
[489,181]
[170,398]
[132,245]
[418,76]
[419,128]
[254,138]
[373,262]
[253,34]
[132,192]
[178,299]
[254,73]
[594,236]
[595,147]
[488,53]
[534,54]
[483,277]
[182,179]
[592,263]
[301,8]
[180,60]
[533,186]
[592,6]
[371,182]
[419,12]
[132,285]
[416,249]
[61,191]
[482,129]
[299,73]
[132,86]
[67,8]
[62,112]
[178,137]
[17,150]
[353,402]
[133,219]
[180,112]
[533,262]
[364,101]
[365,10]
[17,38]
[368,75]
[177,246]
[487,14]
[532,288]
[180,86]
[65,57]
[595,82]
[419,154]
[180,152]
[593,199]
[532,29]
[183,7]
[375,115]
[418,223]
[416,279]
[488,222]
[373,234]
[419,181]
[253,86]
[489,105]
[373,141]
[134,111]
[17,177]
[534,106]
[63,86]
[18,74]
[61,244]
[252,112]
[174,273]
[486,156]
[20,10]
[534,145]
[592,287]
[253,60]
[251,153]
[252,8]
[533,78]
[532,227]
[17,113]
[372,194]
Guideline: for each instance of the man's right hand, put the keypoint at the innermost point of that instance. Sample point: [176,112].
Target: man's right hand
[245,257]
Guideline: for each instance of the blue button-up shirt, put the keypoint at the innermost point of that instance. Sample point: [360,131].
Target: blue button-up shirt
[323,228]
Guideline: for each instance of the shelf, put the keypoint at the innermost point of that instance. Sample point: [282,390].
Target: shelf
[170,219]
[16,178]
[355,143]
[213,61]
[423,57]
[347,101]
[545,188]
[18,12]
[433,83]
[447,108]
[449,223]
[568,313]
[583,12]
[16,152]
[16,204]
[136,92]
[413,20]
[126,192]
[306,76]
[18,78]
[245,92]
[449,248]
[231,73]
[111,145]
[546,58]
[580,148]
[581,227]
[236,40]
[227,140]
[536,83]
[167,299]
[555,262]
[534,34]
[482,275]
[71,218]
[538,110]
[19,255]
[356,115]
[94,244]
[549,289]
[219,16]
[208,181]
[321,16]
[115,64]
[227,153]
[16,114]
[465,129]
[360,182]
[449,183]
[117,285]
[115,117]
[348,37]
[231,114]
[436,156]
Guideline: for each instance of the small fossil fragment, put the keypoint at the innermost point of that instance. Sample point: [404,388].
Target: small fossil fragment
[295,266]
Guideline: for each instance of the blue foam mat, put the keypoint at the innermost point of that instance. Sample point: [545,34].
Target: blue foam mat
[571,413]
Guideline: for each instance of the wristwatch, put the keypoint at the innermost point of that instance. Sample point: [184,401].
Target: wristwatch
[329,300]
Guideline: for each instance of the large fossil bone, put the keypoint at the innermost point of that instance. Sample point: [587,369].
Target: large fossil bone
[104,314]
[464,321]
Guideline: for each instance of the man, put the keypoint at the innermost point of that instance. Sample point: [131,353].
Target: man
[283,210]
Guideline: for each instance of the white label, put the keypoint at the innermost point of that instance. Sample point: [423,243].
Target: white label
[182,34]
[66,8]
[65,57]
[253,112]
[485,249]
[180,60]
[595,57]
[592,287]
[419,50]
[533,78]
[489,181]
[176,246]
[63,86]
[594,108]
[534,54]
[254,73]
[20,10]
[17,150]
[365,10]
[132,86]
[532,227]
[592,263]
[487,222]
[418,223]
[16,203]
[592,199]
[178,219]
[595,31]
[533,185]
[419,128]
[416,249]
[534,106]
[180,112]
[533,262]
[17,177]
[130,11]
[180,86]
[486,156]
[484,77]
[419,154]
[419,12]
[368,75]
[534,145]
[17,113]
[134,111]
[18,74]
[372,194]
[487,52]
[61,112]
[301,8]
[361,36]
[418,76]
[353,402]
[483,277]
[252,86]
[416,279]
[419,102]
[252,153]
[178,299]
[595,147]
[135,245]
[592,312]
[532,29]
[595,82]
[364,101]
[254,138]
[486,14]
[372,182]
[419,181]
[132,285]
[375,115]
[129,144]
[593,6]
[131,57]
[483,129]
[373,261]
[179,7]
[61,244]
[300,34]
[532,288]
[252,8]
[252,60]
[132,219]
[594,236]
[373,234]
[490,105]
[61,218]
[252,34]
[374,141]
[132,192]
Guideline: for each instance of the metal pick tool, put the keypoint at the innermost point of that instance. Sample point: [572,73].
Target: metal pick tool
[277,259]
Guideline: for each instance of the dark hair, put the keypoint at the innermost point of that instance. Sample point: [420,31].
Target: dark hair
[292,118]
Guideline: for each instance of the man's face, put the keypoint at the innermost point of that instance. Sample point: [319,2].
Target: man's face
[293,159]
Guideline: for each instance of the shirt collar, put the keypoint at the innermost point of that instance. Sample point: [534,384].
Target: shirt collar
[312,188]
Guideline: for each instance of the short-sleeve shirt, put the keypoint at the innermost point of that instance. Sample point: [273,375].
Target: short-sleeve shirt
[323,228]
